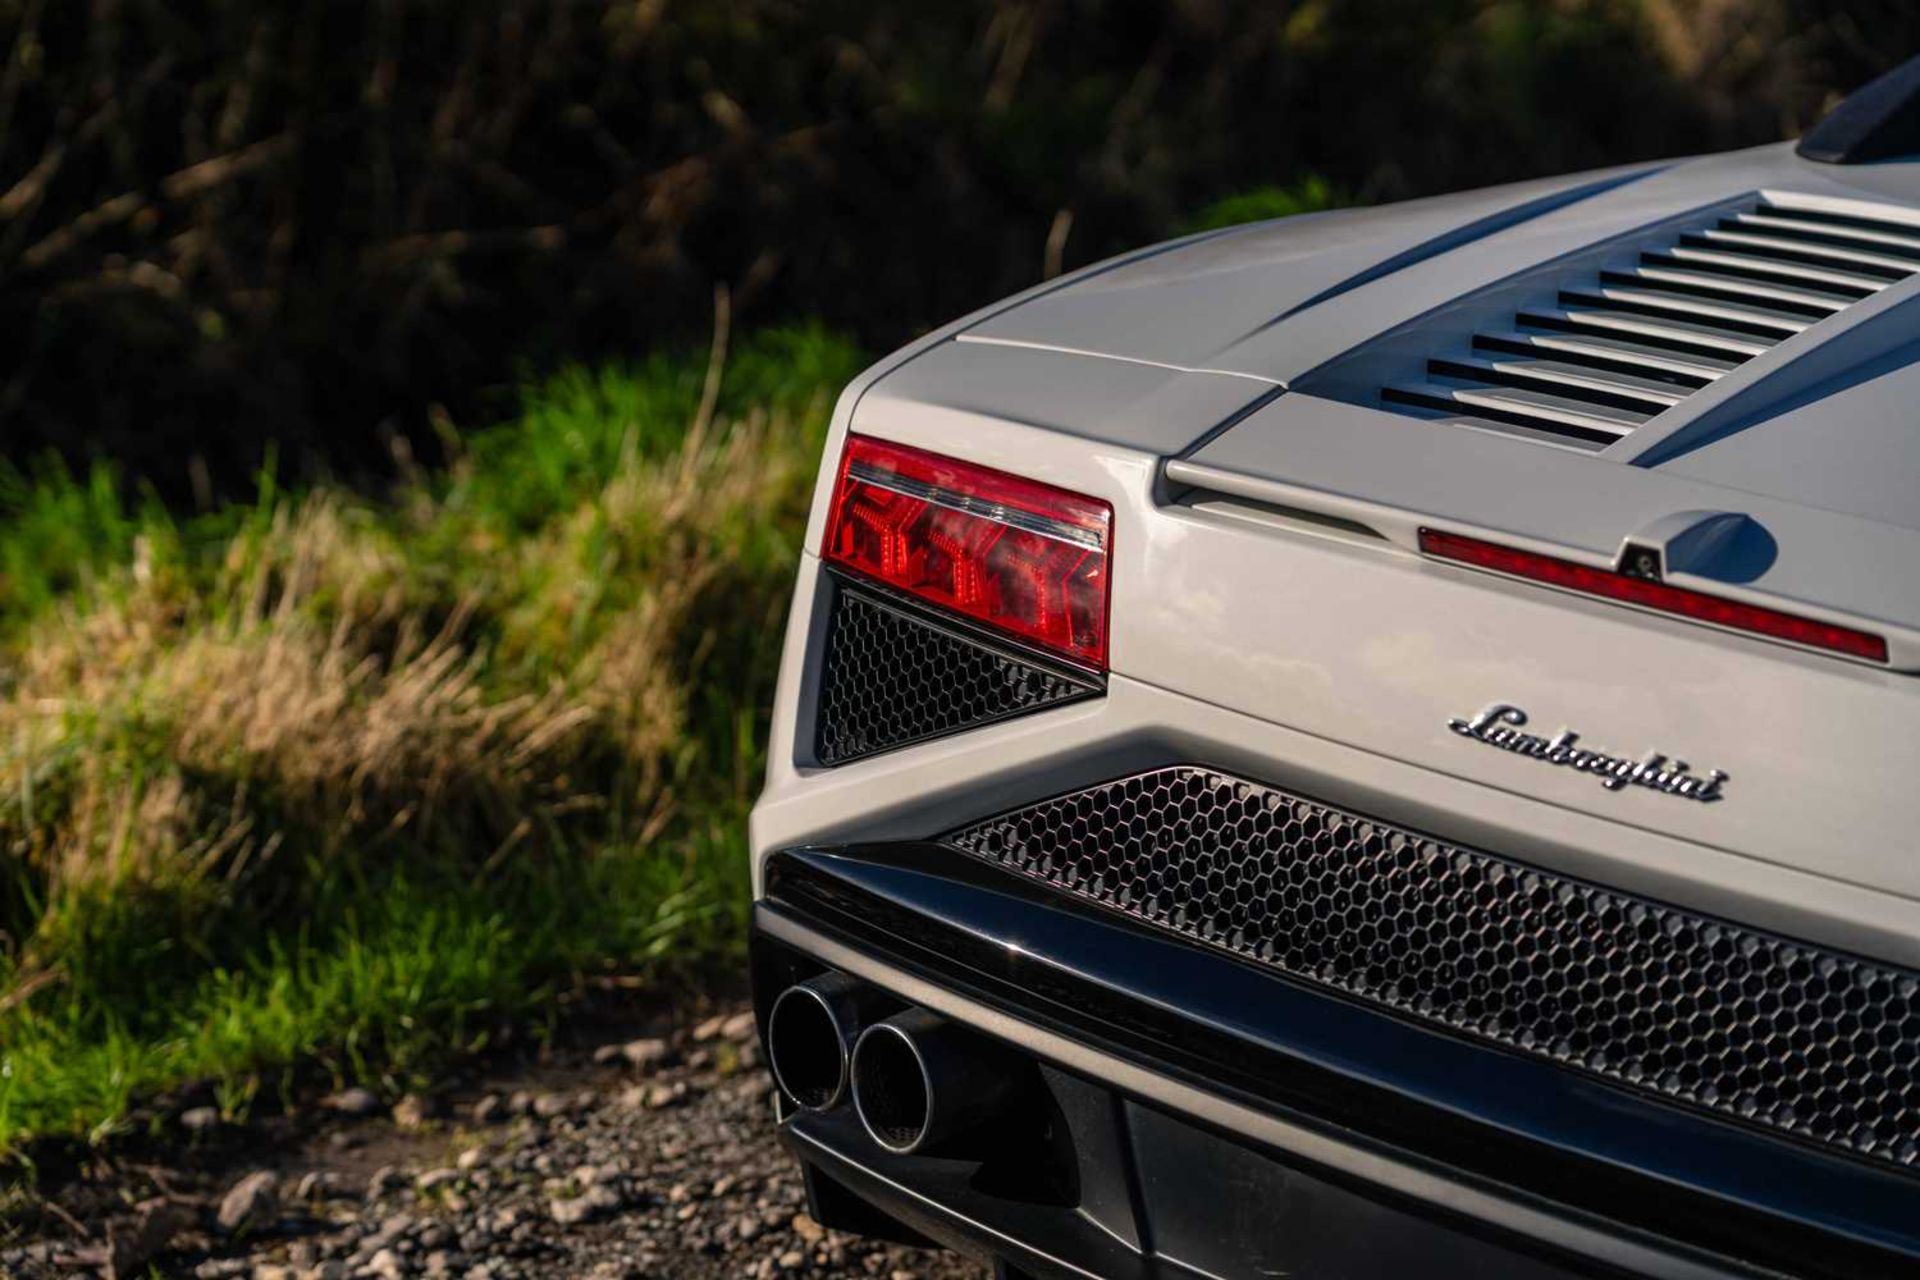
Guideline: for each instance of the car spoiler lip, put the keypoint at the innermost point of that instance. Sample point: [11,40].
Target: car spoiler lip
[1315,1056]
[1363,466]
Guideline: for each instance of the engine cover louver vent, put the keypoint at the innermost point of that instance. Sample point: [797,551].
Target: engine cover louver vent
[1618,346]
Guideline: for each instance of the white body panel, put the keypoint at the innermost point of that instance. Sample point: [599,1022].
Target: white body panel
[1253,629]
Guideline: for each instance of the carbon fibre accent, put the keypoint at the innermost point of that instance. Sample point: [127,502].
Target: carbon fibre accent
[1740,1023]
[894,676]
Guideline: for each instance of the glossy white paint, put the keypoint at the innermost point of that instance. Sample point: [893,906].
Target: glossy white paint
[1333,663]
[1250,634]
[1398,473]
[938,786]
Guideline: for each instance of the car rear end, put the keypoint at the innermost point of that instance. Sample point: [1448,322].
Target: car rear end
[1223,819]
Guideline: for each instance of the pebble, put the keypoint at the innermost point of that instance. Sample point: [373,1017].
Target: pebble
[355,1102]
[414,1110]
[645,1055]
[315,1185]
[392,1229]
[549,1105]
[436,1180]
[200,1119]
[594,1202]
[677,1176]
[658,1097]
[250,1203]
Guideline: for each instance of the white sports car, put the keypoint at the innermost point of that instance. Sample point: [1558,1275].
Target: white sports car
[1383,744]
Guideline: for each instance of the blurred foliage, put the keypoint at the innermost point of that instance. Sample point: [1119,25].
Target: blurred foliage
[316,779]
[228,226]
[1310,196]
[292,775]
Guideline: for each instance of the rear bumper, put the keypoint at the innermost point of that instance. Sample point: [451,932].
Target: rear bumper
[1209,1205]
[1223,1122]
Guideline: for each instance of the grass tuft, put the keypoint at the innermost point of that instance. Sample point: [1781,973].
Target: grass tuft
[1310,195]
[322,780]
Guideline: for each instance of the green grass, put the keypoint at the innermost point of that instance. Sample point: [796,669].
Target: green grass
[59,533]
[1309,195]
[327,783]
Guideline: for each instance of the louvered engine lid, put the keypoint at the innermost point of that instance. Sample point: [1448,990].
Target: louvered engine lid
[1589,352]
[1758,357]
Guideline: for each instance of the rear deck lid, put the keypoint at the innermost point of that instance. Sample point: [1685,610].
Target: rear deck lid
[1396,476]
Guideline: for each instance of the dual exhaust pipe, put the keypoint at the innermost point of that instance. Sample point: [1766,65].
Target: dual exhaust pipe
[916,1080]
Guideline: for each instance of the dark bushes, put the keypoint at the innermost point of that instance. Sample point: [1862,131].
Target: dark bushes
[228,225]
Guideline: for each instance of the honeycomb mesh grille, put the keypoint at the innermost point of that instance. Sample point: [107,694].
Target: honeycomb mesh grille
[1741,1023]
[892,678]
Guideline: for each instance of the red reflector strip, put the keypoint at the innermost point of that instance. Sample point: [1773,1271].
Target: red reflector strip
[1659,596]
[1023,557]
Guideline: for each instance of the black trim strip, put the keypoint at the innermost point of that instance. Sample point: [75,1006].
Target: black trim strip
[1435,1099]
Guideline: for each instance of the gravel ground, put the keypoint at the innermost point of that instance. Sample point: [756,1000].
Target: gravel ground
[645,1157]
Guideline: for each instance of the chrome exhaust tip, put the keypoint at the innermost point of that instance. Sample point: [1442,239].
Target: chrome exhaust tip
[918,1081]
[811,1032]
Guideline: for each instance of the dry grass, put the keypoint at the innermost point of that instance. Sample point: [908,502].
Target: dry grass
[214,757]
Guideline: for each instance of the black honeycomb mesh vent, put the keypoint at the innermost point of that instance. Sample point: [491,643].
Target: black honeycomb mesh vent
[892,677]
[1695,1010]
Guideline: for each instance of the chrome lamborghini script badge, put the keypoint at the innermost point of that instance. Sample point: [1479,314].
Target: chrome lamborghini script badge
[1500,726]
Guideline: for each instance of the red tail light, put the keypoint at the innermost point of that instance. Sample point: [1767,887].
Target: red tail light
[1648,594]
[1022,557]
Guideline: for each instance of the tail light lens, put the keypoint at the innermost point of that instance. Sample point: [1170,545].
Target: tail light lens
[1697,605]
[1021,557]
